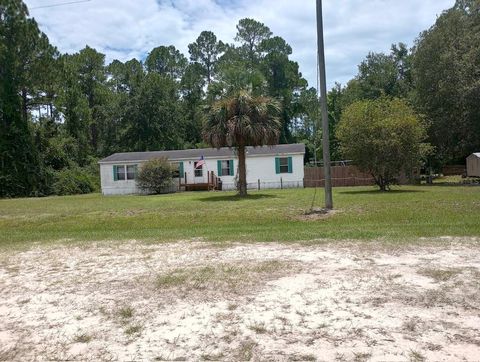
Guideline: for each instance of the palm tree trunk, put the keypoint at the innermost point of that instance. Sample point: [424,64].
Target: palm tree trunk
[242,172]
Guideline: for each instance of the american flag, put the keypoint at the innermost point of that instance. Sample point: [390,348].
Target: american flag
[200,163]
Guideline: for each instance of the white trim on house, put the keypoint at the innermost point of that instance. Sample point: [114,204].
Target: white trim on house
[189,159]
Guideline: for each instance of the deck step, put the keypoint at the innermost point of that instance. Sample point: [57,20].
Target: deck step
[197,187]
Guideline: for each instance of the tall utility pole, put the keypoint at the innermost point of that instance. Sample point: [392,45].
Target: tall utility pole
[323,105]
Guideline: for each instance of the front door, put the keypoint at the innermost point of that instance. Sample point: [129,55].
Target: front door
[199,171]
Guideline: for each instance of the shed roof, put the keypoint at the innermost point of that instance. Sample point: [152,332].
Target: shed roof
[205,152]
[475,154]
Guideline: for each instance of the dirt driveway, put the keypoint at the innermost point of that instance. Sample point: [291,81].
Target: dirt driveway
[192,300]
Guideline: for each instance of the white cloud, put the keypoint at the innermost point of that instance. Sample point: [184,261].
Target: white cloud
[124,29]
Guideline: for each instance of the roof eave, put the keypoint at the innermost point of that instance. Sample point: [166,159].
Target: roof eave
[101,162]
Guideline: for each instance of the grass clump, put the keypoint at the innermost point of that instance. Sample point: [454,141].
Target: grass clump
[258,327]
[232,306]
[223,277]
[410,325]
[133,330]
[440,275]
[416,356]
[125,312]
[175,278]
[245,350]
[303,357]
[361,356]
[83,338]
[212,357]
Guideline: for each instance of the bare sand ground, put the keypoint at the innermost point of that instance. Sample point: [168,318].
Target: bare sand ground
[345,301]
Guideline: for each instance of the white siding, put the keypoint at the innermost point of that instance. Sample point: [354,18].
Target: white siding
[263,168]
[120,187]
[258,168]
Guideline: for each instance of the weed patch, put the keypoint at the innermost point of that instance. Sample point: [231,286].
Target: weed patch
[125,312]
[133,330]
[224,277]
[82,338]
[440,275]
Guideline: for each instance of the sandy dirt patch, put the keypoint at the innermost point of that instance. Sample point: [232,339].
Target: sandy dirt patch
[316,214]
[191,301]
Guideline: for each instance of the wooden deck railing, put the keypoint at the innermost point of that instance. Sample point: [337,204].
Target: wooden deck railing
[211,184]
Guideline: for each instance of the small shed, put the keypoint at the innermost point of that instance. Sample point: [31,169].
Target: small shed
[473,165]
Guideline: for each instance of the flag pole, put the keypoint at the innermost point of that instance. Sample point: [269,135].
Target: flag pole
[323,105]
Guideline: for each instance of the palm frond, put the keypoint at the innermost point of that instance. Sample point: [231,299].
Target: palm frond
[244,120]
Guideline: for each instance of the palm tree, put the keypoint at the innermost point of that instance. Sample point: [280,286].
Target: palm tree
[242,120]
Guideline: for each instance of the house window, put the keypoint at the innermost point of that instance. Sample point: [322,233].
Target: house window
[283,164]
[119,172]
[198,168]
[125,172]
[131,172]
[226,168]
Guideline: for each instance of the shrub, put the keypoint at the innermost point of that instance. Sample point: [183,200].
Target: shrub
[156,176]
[383,137]
[71,181]
[93,170]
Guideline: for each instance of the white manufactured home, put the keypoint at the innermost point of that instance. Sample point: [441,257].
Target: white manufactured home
[279,166]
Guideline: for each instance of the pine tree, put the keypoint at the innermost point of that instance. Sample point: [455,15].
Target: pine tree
[23,51]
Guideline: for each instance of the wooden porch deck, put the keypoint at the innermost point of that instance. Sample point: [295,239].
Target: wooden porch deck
[198,187]
[212,184]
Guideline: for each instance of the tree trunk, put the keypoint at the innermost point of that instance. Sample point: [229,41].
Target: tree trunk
[380,182]
[242,172]
[383,183]
[24,105]
[209,74]
[93,135]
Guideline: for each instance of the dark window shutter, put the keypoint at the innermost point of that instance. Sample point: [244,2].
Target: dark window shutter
[290,168]
[231,168]
[181,170]
[115,173]
[219,168]
[277,165]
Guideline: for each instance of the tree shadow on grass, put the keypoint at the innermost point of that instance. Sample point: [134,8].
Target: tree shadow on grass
[378,192]
[255,196]
[450,184]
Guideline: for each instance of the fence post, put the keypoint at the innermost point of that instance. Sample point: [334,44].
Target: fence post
[259,184]
[281,183]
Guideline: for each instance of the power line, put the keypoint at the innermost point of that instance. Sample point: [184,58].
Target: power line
[60,4]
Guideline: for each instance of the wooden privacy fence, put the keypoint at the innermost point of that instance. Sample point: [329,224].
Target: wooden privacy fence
[341,176]
[451,170]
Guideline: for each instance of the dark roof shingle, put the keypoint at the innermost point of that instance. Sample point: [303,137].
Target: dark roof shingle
[206,152]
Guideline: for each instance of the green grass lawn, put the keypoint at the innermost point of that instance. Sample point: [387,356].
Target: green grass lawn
[269,215]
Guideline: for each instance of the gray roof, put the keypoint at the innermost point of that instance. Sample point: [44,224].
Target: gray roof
[205,152]
[476,154]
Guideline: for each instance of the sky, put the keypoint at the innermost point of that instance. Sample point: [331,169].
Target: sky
[125,29]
